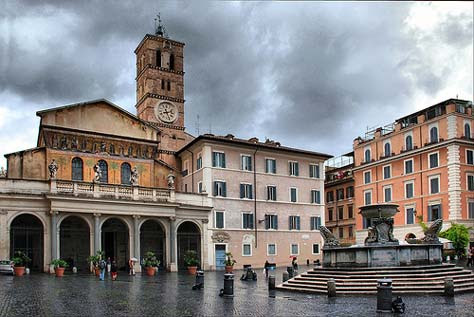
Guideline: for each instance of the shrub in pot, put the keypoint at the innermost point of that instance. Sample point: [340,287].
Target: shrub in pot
[229,262]
[191,261]
[20,260]
[150,262]
[59,267]
[94,261]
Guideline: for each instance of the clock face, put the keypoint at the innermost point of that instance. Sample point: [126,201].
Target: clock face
[166,112]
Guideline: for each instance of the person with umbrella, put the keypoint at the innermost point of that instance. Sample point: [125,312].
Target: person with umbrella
[131,266]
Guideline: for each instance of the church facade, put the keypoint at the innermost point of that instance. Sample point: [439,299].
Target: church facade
[103,179]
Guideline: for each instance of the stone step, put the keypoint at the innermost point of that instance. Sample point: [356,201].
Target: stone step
[382,271]
[393,276]
[339,280]
[397,268]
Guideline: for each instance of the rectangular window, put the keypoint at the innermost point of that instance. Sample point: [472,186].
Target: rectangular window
[409,166]
[387,193]
[294,222]
[293,168]
[471,209]
[350,212]
[199,161]
[219,219]
[434,212]
[220,189]
[366,222]
[200,187]
[246,249]
[246,191]
[313,171]
[315,196]
[271,193]
[387,172]
[218,159]
[315,223]
[470,157]
[341,232]
[340,194]
[271,222]
[350,192]
[368,197]
[433,158]
[247,220]
[329,196]
[409,190]
[294,249]
[293,194]
[340,213]
[246,163]
[351,232]
[271,249]
[434,185]
[410,216]
[315,248]
[367,177]
[470,182]
[270,166]
[330,214]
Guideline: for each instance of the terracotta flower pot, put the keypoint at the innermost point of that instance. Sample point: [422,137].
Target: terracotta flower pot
[19,270]
[192,270]
[97,271]
[59,271]
[229,268]
[150,271]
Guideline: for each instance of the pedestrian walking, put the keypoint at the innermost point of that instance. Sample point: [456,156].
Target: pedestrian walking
[294,263]
[131,266]
[109,265]
[266,266]
[102,267]
[470,257]
[113,270]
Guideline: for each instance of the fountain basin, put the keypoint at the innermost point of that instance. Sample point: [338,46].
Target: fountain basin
[379,210]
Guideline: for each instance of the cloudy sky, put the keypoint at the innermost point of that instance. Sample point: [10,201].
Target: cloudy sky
[312,75]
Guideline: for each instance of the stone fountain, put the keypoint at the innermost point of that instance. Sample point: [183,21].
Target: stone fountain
[380,247]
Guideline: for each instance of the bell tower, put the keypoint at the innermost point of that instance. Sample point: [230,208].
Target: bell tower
[160,86]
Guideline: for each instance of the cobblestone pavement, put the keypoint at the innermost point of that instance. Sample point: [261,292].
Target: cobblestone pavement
[170,294]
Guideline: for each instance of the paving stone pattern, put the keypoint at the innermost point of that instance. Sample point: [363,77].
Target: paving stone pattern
[170,294]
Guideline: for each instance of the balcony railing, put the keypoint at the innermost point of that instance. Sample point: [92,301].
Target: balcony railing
[98,190]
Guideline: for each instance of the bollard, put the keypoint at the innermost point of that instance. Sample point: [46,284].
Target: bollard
[307,262]
[449,287]
[286,276]
[228,285]
[199,280]
[331,288]
[271,282]
[384,295]
[290,271]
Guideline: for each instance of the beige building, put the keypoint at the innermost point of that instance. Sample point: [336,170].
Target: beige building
[267,198]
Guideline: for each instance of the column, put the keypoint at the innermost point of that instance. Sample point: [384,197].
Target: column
[97,233]
[4,235]
[173,265]
[54,235]
[136,242]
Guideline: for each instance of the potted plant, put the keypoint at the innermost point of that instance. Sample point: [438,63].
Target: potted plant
[94,261]
[20,260]
[191,261]
[229,262]
[59,267]
[150,262]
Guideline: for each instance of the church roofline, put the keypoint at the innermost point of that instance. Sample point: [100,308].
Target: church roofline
[156,37]
[40,113]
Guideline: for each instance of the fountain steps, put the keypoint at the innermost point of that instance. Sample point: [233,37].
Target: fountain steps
[406,280]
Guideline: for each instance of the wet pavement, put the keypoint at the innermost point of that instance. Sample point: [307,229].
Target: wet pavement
[171,294]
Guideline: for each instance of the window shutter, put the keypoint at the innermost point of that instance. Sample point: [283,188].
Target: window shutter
[250,163]
[311,171]
[297,173]
[275,191]
[318,222]
[440,213]
[250,220]
[289,223]
[298,223]
[318,197]
[214,154]
[251,192]
[317,171]
[242,191]
[267,221]
[274,167]
[215,189]
[223,160]
[224,189]
[276,222]
[430,208]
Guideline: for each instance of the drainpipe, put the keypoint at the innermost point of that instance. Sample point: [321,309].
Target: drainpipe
[420,157]
[255,195]
[192,170]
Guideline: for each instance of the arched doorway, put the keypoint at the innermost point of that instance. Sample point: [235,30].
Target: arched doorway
[26,235]
[115,241]
[189,238]
[74,242]
[152,238]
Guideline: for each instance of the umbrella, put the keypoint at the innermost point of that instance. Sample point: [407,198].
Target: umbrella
[134,259]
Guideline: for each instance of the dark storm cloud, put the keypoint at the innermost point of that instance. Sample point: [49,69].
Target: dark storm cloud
[308,74]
